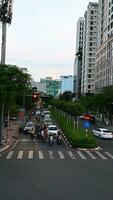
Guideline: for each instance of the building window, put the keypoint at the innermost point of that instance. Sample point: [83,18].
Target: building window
[92,12]
[91,28]
[89,75]
[90,44]
[111,16]
[90,54]
[112,25]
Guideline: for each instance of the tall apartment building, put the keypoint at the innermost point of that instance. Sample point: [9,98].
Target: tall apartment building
[104,56]
[78,58]
[89,48]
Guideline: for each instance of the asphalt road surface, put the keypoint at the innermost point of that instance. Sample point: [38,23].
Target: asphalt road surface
[36,171]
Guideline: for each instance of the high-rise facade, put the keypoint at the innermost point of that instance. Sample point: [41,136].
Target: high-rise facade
[52,86]
[66,84]
[78,58]
[104,56]
[89,48]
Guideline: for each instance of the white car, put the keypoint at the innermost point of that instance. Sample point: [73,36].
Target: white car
[46,113]
[52,129]
[103,133]
[48,122]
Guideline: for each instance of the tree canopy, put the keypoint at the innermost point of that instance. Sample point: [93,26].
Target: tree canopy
[67,96]
[14,81]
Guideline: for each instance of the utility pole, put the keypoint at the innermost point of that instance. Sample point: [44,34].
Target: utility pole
[5,18]
[3,46]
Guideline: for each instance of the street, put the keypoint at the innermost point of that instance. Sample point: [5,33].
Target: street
[33,170]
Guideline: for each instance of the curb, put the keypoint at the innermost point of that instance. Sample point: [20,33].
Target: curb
[68,145]
[90,149]
[81,149]
[4,148]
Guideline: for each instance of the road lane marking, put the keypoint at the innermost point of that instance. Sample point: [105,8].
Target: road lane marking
[61,155]
[30,155]
[100,155]
[81,155]
[27,140]
[50,154]
[91,155]
[71,155]
[41,156]
[9,155]
[20,154]
[108,154]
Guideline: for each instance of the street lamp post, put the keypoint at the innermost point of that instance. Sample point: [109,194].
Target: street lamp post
[5,18]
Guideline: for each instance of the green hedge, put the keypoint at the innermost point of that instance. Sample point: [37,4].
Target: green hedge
[77,138]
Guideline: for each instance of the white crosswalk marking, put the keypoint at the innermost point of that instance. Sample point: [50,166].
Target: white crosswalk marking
[81,155]
[104,155]
[61,155]
[71,155]
[91,155]
[108,154]
[9,155]
[50,154]
[20,154]
[99,154]
[41,156]
[30,155]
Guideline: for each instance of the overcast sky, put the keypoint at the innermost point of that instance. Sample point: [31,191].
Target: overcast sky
[42,36]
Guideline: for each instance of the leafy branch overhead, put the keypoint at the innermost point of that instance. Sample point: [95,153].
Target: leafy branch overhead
[13,80]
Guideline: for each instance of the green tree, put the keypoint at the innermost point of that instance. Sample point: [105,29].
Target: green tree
[67,96]
[13,81]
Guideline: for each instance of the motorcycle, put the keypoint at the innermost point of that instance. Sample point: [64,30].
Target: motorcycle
[59,139]
[43,137]
[51,139]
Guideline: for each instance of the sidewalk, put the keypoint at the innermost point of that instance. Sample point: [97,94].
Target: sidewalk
[10,135]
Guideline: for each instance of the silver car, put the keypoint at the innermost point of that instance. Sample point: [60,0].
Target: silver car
[29,127]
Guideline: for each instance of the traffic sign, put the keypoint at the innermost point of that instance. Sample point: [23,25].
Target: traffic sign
[86,124]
